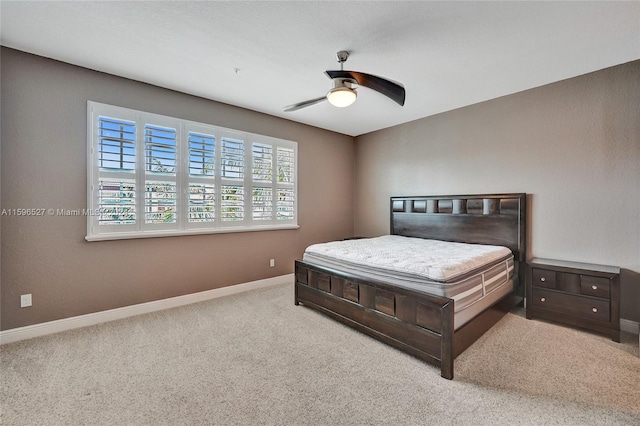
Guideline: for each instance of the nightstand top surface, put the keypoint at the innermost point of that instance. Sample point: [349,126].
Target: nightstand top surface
[536,261]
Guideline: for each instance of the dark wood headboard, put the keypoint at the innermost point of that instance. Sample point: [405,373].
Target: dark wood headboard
[496,219]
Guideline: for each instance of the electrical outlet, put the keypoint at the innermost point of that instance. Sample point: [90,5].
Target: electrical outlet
[25,300]
[272,263]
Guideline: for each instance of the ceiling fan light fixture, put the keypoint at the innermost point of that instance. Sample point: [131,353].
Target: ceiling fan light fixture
[342,96]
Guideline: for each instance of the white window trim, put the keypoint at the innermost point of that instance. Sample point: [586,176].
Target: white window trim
[181,226]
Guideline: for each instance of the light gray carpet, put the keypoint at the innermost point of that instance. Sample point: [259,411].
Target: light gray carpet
[255,358]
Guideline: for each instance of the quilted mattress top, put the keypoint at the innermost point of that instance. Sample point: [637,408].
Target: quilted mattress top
[431,259]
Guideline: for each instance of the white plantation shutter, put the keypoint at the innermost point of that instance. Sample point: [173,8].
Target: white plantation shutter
[152,175]
[262,185]
[116,201]
[116,144]
[286,204]
[232,158]
[232,206]
[232,179]
[160,149]
[262,203]
[160,196]
[286,165]
[113,169]
[202,203]
[202,189]
[273,182]
[262,159]
[201,154]
[286,201]
[117,164]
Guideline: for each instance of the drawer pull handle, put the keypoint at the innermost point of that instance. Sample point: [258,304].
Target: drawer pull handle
[594,287]
[594,309]
[542,299]
[542,279]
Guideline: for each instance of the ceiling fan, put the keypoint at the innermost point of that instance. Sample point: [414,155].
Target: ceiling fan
[344,94]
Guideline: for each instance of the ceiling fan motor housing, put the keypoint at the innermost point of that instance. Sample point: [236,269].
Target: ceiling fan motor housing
[342,56]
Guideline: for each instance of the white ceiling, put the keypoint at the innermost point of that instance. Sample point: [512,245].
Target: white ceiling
[447,54]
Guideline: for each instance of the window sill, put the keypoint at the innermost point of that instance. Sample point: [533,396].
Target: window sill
[179,233]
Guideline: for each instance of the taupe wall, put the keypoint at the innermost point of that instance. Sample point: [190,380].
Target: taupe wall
[44,166]
[573,145]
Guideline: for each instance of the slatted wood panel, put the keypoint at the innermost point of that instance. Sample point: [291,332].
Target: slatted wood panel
[385,302]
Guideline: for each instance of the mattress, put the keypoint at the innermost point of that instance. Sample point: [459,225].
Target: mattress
[466,273]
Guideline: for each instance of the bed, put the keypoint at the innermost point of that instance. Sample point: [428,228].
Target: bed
[438,318]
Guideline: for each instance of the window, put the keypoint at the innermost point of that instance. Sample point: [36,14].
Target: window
[151,175]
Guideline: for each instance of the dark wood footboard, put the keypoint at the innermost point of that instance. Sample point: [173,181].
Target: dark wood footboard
[416,323]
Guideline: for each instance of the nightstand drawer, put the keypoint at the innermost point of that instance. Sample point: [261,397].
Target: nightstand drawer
[584,307]
[594,286]
[543,278]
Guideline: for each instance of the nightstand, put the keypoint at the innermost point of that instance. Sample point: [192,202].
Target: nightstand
[577,294]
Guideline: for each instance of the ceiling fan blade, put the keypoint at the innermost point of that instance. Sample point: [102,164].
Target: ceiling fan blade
[390,89]
[304,104]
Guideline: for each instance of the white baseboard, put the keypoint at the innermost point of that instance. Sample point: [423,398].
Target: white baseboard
[42,329]
[629,326]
